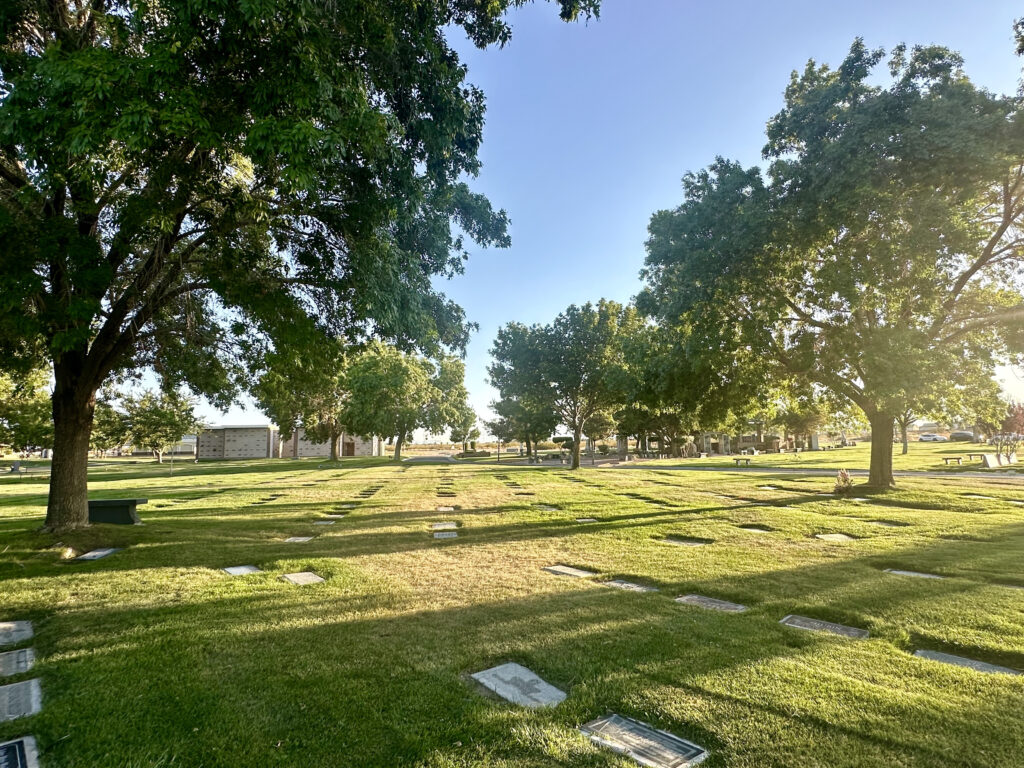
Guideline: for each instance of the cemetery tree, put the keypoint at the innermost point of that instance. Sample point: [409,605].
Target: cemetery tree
[581,350]
[884,242]
[305,388]
[178,179]
[158,420]
[25,419]
[525,420]
[393,393]
[464,429]
[109,426]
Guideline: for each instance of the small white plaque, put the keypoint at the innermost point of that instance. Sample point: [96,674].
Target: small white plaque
[446,534]
[96,554]
[817,625]
[915,574]
[834,537]
[302,578]
[517,684]
[446,509]
[14,632]
[346,506]
[323,522]
[241,570]
[711,603]
[20,753]
[16,662]
[445,526]
[586,519]
[336,517]
[629,586]
[960,661]
[20,700]
[567,570]
[768,487]
[298,539]
[979,496]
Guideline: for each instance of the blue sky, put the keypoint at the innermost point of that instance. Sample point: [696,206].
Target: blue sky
[591,126]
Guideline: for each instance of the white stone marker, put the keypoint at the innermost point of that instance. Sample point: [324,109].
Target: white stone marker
[515,683]
[20,700]
[915,574]
[711,603]
[960,661]
[629,586]
[346,506]
[446,509]
[567,570]
[323,522]
[96,554]
[13,632]
[817,625]
[298,539]
[336,517]
[241,570]
[768,487]
[586,519]
[302,578]
[447,525]
[834,537]
[647,745]
[20,753]
[979,496]
[446,534]
[16,662]
[860,498]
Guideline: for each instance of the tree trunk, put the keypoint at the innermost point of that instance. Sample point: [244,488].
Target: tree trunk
[880,475]
[68,505]
[159,455]
[903,437]
[398,446]
[577,434]
[335,437]
[529,447]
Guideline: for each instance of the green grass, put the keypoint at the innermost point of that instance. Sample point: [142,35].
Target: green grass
[920,457]
[155,657]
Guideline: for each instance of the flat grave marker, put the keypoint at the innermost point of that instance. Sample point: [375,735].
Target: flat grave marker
[586,519]
[979,496]
[298,539]
[682,541]
[629,586]
[835,537]
[324,522]
[96,554]
[20,700]
[446,534]
[346,506]
[914,574]
[242,570]
[547,508]
[517,684]
[961,661]
[755,528]
[15,663]
[336,516]
[446,509]
[642,742]
[302,578]
[20,753]
[568,570]
[14,632]
[817,625]
[711,603]
[447,525]
[768,487]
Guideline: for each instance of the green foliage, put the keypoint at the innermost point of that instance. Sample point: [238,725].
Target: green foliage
[157,420]
[110,428]
[392,393]
[881,254]
[26,419]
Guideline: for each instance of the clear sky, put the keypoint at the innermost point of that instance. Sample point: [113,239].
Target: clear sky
[590,128]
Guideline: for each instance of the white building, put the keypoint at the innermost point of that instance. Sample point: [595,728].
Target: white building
[264,442]
[300,446]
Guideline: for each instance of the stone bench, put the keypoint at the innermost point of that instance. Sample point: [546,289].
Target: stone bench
[973,456]
[958,459]
[115,511]
[742,459]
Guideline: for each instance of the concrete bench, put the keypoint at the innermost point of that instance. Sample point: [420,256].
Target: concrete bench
[739,460]
[973,456]
[115,511]
[958,459]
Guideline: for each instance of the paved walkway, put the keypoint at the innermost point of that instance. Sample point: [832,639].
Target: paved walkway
[1013,476]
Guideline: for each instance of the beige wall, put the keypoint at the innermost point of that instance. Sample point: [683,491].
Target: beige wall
[238,443]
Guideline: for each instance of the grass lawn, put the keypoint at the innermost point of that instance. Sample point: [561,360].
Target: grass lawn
[920,457]
[154,657]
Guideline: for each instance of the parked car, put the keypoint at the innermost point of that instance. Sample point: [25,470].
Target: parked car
[961,434]
[931,437]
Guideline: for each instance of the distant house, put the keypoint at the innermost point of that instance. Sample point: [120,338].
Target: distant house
[256,442]
[300,446]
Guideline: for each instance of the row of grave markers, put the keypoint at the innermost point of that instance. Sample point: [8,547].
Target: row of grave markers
[20,699]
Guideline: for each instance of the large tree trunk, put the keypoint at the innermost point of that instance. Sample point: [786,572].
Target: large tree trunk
[398,446]
[903,437]
[880,475]
[335,439]
[68,505]
[529,447]
[577,434]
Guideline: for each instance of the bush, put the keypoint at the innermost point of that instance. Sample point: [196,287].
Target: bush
[472,454]
[604,450]
[844,483]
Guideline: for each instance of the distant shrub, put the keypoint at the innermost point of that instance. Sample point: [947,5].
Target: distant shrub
[844,483]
